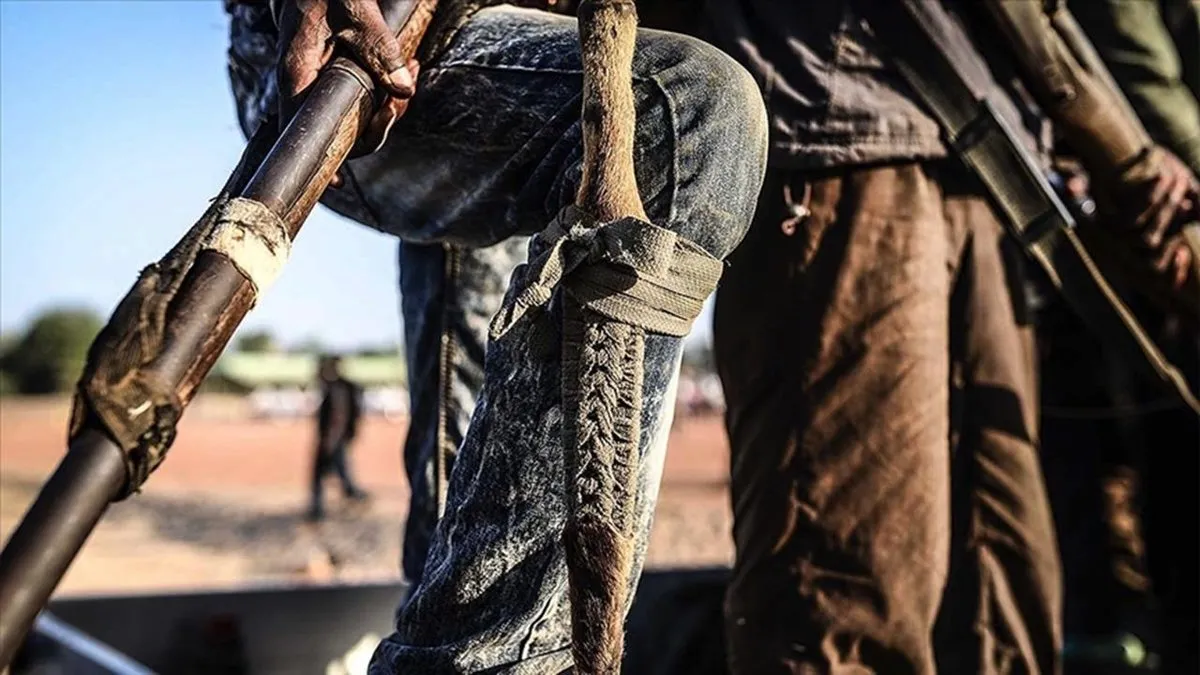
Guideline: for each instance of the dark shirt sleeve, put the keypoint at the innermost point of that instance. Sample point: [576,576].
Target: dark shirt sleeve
[339,415]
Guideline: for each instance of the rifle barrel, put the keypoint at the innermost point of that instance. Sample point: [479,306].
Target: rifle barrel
[53,530]
[211,303]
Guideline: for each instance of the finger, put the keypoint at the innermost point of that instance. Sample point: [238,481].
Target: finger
[1175,261]
[304,39]
[1165,258]
[1077,186]
[1166,213]
[304,36]
[1158,194]
[380,125]
[1183,263]
[378,49]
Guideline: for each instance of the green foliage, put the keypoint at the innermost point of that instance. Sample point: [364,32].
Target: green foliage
[50,356]
[309,345]
[382,350]
[256,342]
[8,386]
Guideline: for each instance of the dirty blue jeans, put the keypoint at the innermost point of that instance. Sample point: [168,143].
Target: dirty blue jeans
[448,294]
[490,148]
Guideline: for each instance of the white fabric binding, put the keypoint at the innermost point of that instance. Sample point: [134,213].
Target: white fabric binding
[254,239]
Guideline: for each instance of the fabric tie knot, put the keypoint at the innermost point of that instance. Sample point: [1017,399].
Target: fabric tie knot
[628,270]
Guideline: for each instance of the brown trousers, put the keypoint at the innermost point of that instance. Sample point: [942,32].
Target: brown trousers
[889,511]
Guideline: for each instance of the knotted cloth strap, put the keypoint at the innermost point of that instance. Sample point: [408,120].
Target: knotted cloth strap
[628,270]
[121,387]
[138,410]
[254,239]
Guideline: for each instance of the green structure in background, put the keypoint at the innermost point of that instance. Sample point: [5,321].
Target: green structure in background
[258,370]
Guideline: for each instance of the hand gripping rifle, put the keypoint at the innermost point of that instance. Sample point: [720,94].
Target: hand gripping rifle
[166,334]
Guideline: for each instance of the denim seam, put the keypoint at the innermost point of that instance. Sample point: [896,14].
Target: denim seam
[445,356]
[527,644]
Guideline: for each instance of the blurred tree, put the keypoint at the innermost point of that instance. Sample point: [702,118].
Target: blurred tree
[385,350]
[49,357]
[309,345]
[8,386]
[256,341]
[8,341]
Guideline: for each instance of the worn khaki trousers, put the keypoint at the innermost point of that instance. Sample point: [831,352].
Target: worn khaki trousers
[889,512]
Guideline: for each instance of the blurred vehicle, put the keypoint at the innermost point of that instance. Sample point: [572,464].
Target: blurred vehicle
[390,402]
[269,403]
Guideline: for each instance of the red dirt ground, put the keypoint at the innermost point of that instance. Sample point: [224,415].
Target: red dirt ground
[224,507]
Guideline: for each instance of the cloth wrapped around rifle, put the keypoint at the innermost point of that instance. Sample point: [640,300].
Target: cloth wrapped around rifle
[627,270]
[119,387]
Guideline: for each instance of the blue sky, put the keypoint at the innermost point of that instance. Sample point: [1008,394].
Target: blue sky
[116,127]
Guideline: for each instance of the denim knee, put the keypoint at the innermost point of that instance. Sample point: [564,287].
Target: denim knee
[721,132]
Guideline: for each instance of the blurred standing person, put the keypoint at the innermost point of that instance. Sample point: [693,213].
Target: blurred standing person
[337,425]
[448,295]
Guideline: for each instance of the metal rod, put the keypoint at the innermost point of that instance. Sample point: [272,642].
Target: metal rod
[82,646]
[51,533]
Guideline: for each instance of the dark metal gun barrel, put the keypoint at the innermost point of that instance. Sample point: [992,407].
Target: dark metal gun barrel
[52,532]
[211,303]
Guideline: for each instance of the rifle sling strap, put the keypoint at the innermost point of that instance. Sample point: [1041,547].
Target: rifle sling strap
[1028,206]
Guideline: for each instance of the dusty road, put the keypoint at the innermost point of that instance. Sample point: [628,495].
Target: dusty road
[224,509]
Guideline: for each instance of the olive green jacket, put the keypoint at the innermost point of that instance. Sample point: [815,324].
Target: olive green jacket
[1152,48]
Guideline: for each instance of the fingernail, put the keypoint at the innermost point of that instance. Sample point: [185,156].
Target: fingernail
[401,80]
